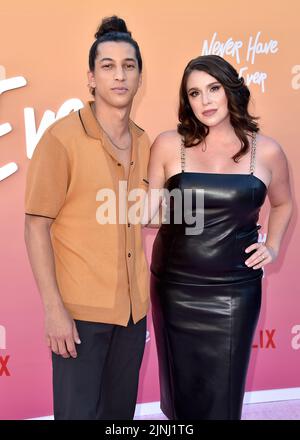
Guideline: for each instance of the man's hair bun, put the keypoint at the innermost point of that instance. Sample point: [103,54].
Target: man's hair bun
[112,24]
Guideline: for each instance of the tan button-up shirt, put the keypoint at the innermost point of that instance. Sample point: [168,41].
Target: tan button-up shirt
[101,269]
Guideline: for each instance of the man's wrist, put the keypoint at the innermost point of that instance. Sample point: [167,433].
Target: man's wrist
[53,303]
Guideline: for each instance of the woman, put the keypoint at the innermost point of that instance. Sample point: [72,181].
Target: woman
[206,287]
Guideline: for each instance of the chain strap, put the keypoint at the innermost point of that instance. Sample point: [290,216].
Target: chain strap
[252,160]
[253,151]
[182,150]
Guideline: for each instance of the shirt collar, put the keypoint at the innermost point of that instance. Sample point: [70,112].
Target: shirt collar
[93,128]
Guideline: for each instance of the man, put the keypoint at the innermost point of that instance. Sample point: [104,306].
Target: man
[92,277]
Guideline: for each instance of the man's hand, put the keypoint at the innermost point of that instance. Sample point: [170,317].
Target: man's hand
[61,332]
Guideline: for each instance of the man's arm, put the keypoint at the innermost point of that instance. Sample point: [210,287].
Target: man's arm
[61,332]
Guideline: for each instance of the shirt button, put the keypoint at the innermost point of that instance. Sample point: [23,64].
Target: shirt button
[129,225]
[129,254]
[131,163]
[119,164]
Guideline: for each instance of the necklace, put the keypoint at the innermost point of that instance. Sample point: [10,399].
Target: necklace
[204,147]
[114,144]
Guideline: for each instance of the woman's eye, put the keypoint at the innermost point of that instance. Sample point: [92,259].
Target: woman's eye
[194,94]
[215,88]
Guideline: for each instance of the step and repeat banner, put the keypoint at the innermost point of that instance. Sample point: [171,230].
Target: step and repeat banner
[43,65]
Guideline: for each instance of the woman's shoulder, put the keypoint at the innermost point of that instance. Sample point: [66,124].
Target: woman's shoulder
[168,137]
[166,141]
[268,147]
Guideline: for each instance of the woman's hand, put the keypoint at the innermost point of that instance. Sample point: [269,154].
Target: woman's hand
[264,254]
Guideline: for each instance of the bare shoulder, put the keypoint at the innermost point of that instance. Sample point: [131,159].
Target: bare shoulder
[165,144]
[268,148]
[167,139]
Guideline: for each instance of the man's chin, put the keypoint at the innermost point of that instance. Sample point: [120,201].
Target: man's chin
[121,103]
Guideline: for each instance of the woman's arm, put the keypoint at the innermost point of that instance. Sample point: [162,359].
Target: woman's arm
[279,194]
[152,214]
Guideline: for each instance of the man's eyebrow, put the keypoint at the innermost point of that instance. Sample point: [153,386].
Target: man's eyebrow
[110,59]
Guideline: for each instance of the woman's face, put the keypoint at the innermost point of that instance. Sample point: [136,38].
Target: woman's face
[207,98]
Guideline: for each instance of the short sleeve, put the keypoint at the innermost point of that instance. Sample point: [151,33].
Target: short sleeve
[47,178]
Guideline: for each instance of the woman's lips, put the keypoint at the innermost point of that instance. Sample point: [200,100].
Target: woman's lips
[209,112]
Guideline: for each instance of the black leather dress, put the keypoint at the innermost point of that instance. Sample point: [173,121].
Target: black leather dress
[205,300]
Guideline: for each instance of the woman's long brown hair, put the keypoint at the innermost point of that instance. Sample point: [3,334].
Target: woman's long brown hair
[238,96]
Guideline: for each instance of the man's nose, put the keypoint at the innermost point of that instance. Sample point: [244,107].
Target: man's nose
[119,73]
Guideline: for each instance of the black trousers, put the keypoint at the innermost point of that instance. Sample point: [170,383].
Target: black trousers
[102,382]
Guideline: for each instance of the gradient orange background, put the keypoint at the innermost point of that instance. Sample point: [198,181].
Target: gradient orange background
[47,43]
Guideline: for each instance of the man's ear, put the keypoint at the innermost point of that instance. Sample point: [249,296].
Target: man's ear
[140,79]
[91,79]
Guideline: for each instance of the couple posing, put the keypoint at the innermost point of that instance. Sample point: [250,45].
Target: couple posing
[205,288]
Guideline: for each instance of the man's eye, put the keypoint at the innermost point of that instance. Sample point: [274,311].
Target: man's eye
[107,66]
[130,66]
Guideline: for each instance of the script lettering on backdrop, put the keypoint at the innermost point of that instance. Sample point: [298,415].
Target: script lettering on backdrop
[243,52]
[32,133]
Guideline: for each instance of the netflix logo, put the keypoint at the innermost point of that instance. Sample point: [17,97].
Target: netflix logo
[265,339]
[4,371]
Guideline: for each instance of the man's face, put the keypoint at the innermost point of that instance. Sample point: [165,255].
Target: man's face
[116,77]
